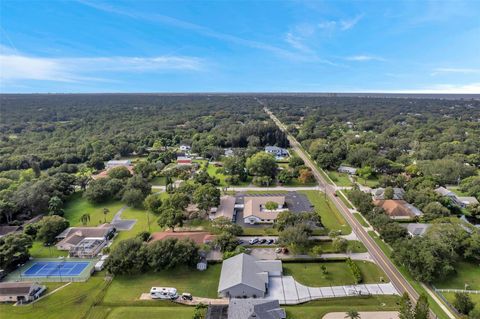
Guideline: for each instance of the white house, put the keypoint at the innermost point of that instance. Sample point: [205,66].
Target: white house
[21,292]
[118,163]
[255,212]
[347,169]
[277,151]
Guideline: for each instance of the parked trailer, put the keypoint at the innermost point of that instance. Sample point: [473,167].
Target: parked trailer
[163,293]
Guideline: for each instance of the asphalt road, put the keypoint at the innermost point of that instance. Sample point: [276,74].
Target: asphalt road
[400,283]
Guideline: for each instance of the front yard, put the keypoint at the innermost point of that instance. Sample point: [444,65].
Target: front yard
[338,273]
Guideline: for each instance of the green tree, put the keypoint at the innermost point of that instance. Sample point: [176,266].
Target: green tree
[14,250]
[271,205]
[365,172]
[206,196]
[105,213]
[422,308]
[133,197]
[85,219]
[171,252]
[463,303]
[295,161]
[295,237]
[170,217]
[120,172]
[225,242]
[406,309]
[262,164]
[55,205]
[127,258]
[340,244]
[50,227]
[223,224]
[352,314]
[434,210]
[389,193]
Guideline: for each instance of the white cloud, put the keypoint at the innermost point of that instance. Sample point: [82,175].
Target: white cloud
[17,67]
[362,58]
[343,24]
[455,70]
[470,88]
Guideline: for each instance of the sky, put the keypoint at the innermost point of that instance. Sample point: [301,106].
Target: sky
[239,46]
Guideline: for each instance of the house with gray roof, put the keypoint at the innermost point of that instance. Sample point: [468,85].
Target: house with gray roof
[255,308]
[347,169]
[417,229]
[456,200]
[244,276]
[379,193]
[278,152]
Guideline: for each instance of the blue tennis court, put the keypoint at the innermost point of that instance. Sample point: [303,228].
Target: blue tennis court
[55,268]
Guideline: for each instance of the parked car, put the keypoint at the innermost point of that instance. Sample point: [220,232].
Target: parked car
[187,296]
[262,241]
[253,241]
[270,241]
[278,250]
[240,242]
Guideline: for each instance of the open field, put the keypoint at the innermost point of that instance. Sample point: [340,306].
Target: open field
[372,181]
[180,312]
[76,206]
[331,217]
[354,246]
[338,273]
[341,179]
[144,220]
[127,289]
[317,309]
[71,302]
[467,273]
[40,251]
[450,296]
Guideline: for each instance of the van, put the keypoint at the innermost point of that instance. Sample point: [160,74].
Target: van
[163,293]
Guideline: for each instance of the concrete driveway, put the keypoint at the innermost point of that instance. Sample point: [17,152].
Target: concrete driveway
[289,292]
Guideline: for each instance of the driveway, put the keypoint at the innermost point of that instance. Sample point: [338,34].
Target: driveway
[289,292]
[122,224]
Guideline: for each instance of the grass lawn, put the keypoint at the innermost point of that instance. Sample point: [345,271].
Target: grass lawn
[467,273]
[180,312]
[71,302]
[331,217]
[319,308]
[159,180]
[341,179]
[338,273]
[354,246]
[142,223]
[457,191]
[40,251]
[260,231]
[127,289]
[76,206]
[360,218]
[344,199]
[450,296]
[372,181]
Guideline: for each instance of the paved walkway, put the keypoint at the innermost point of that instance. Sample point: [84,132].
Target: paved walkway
[350,236]
[122,224]
[289,292]
[364,315]
[268,253]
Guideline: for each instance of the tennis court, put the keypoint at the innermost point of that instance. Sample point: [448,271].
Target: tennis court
[56,268]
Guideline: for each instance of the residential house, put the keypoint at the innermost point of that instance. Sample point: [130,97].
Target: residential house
[379,193]
[184,148]
[278,152]
[184,160]
[85,242]
[225,209]
[398,209]
[7,230]
[467,200]
[255,308]
[417,229]
[347,169]
[21,292]
[118,163]
[255,212]
[244,276]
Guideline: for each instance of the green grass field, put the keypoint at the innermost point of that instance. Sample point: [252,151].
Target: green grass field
[71,302]
[40,251]
[467,273]
[317,309]
[127,289]
[344,199]
[151,312]
[331,217]
[360,218]
[354,246]
[76,206]
[450,296]
[370,182]
[338,273]
[341,179]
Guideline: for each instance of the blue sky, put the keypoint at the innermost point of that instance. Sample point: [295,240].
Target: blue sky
[240,46]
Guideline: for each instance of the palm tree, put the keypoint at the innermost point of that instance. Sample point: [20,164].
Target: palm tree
[352,314]
[85,218]
[105,212]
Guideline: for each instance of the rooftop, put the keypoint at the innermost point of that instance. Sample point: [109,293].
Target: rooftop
[253,206]
[398,208]
[255,308]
